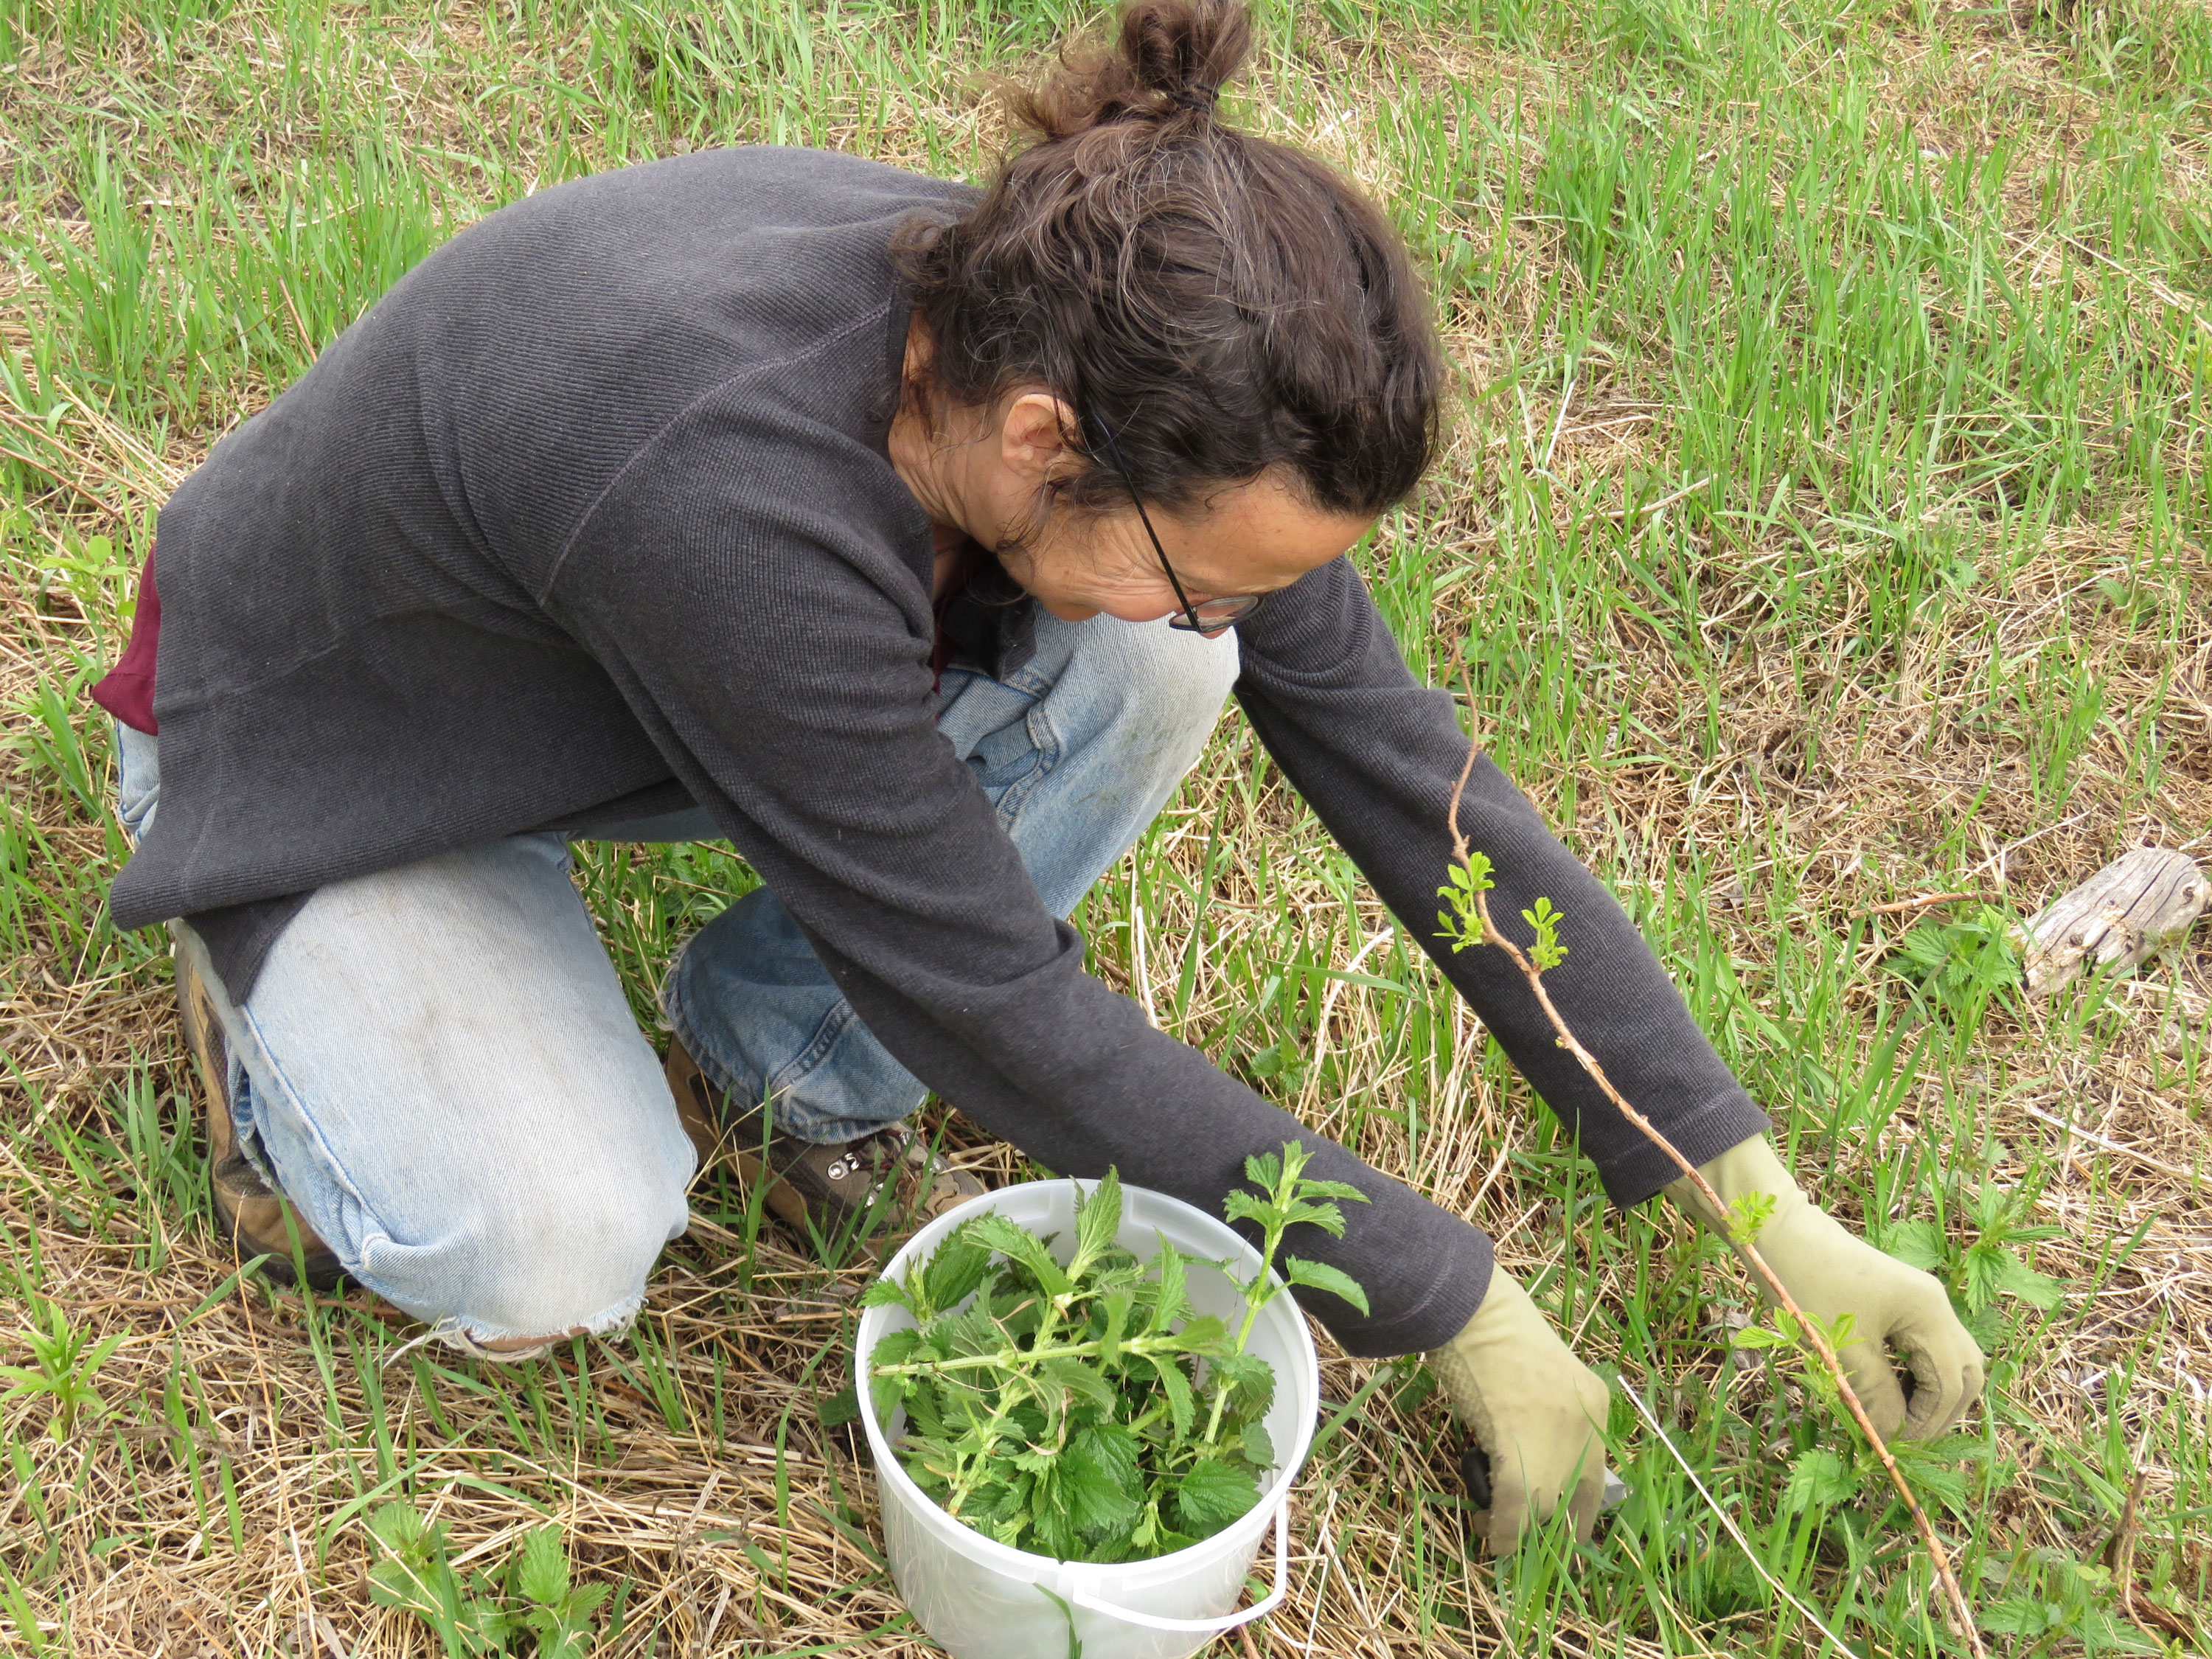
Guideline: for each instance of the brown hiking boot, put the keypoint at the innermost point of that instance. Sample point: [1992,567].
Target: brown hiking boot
[829,1192]
[249,1212]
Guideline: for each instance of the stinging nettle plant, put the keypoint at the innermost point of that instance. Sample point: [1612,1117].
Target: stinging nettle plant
[1088,1412]
[1466,921]
[65,1359]
[480,1615]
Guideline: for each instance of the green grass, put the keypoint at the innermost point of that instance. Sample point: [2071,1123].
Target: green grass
[1826,526]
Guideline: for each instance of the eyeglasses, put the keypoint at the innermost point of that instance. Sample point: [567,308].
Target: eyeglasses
[1208,621]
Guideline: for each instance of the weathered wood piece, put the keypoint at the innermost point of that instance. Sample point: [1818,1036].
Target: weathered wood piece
[2130,909]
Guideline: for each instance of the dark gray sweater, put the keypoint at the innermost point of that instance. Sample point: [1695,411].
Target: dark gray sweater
[592,517]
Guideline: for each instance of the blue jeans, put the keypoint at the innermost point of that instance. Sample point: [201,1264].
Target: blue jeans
[438,1067]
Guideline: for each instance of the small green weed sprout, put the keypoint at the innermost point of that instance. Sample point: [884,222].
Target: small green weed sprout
[554,1610]
[2057,1597]
[1789,1337]
[475,1615]
[1461,919]
[64,1362]
[1961,966]
[1993,1265]
[1747,1215]
[1088,1412]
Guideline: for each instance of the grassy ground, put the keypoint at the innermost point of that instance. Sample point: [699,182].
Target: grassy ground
[1826,529]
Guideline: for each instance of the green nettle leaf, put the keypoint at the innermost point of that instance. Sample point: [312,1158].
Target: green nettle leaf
[1054,1531]
[404,1585]
[1099,1473]
[1204,1335]
[1081,1380]
[1241,1205]
[1916,1243]
[1117,1305]
[2014,1277]
[896,1347]
[2018,1615]
[401,1528]
[1019,1313]
[1251,1381]
[1320,1276]
[955,1272]
[1758,1336]
[1327,1217]
[1098,1222]
[970,1333]
[542,1570]
[889,1393]
[1181,1406]
[1343,1189]
[996,1232]
[1258,1447]
[1985,1263]
[1172,1301]
[1214,1494]
[923,1416]
[1818,1479]
[413,1575]
[836,1410]
[888,1293]
[1932,1466]
[1952,1488]
[1145,1534]
[484,1626]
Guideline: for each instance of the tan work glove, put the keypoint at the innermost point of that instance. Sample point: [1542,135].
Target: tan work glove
[1831,1273]
[1531,1407]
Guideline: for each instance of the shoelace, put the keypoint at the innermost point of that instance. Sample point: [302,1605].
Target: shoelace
[883,1151]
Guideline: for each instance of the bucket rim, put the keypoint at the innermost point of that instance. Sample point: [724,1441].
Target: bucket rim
[1051,1569]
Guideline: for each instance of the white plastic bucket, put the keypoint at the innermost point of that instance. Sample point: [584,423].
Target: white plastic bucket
[980,1599]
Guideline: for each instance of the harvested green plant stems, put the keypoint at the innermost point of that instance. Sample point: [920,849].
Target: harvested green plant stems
[1087,1411]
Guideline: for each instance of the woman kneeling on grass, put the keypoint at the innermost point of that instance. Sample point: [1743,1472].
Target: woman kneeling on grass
[911,536]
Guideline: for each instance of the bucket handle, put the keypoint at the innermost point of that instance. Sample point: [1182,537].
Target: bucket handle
[1228,1620]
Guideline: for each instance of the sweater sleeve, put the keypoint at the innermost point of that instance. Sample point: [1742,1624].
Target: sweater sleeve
[1376,755]
[779,655]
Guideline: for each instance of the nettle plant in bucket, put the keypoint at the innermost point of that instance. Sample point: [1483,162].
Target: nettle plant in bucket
[1082,1409]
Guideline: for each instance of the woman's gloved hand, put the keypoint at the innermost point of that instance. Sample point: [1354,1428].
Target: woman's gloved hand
[1831,1273]
[1533,1407]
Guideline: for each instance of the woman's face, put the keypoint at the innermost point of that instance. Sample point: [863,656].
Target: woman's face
[1252,537]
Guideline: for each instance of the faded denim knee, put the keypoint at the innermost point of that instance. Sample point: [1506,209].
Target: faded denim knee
[1141,696]
[1180,678]
[447,1080]
[544,1257]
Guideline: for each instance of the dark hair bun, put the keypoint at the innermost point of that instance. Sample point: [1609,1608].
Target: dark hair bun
[1171,60]
[1212,305]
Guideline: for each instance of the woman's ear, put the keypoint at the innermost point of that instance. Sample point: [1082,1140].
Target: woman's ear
[1034,439]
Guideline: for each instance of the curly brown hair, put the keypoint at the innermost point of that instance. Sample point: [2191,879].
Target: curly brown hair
[1219,304]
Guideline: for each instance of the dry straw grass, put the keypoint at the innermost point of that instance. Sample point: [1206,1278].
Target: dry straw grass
[753,1532]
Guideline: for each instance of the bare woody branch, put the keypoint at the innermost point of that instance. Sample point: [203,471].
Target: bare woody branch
[1961,1611]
